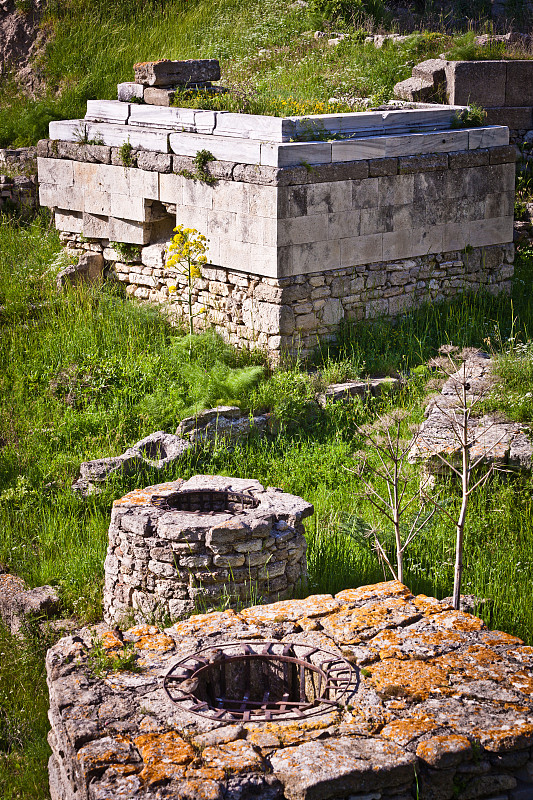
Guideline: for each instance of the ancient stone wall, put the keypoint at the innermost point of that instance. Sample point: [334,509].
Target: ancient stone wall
[19,190]
[348,241]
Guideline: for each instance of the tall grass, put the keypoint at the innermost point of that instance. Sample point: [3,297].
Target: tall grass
[266,49]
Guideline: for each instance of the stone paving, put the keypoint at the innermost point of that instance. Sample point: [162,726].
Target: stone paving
[441,708]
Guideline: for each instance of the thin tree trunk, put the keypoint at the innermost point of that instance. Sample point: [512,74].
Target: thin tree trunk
[465,479]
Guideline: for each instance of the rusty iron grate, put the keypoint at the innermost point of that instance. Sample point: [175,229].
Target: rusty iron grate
[261,681]
[206,501]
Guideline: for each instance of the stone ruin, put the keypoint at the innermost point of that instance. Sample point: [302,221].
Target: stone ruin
[205,542]
[310,220]
[373,694]
[504,88]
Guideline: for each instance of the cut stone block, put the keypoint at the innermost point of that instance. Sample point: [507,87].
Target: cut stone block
[78,130]
[130,91]
[433,68]
[294,153]
[67,198]
[158,97]
[413,89]
[519,83]
[107,111]
[178,119]
[223,148]
[124,230]
[250,126]
[481,82]
[516,117]
[70,221]
[488,137]
[130,208]
[55,172]
[95,226]
[176,73]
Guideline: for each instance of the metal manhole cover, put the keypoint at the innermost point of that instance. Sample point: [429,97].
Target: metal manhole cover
[260,681]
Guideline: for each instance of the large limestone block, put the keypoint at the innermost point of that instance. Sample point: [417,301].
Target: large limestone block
[419,88]
[107,111]
[294,153]
[481,82]
[177,73]
[129,91]
[250,126]
[68,198]
[519,83]
[224,148]
[55,172]
[69,221]
[115,135]
[125,230]
[494,136]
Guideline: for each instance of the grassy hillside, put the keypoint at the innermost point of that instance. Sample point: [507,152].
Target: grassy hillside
[266,49]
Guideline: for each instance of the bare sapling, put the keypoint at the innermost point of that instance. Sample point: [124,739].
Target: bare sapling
[393,500]
[466,392]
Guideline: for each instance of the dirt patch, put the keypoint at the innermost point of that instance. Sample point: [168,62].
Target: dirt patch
[20,42]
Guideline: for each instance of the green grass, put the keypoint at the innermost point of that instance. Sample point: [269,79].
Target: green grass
[267,51]
[86,373]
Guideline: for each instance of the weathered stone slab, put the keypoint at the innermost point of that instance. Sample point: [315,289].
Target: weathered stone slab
[495,136]
[130,91]
[338,392]
[109,134]
[224,148]
[519,83]
[293,153]
[490,440]
[107,111]
[481,82]
[176,73]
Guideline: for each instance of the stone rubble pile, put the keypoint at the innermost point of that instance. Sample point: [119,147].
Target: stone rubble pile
[442,709]
[156,82]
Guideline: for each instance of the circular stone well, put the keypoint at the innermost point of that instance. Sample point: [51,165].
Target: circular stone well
[373,694]
[202,543]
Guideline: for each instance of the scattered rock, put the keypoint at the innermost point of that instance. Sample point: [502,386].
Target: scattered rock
[380,39]
[18,603]
[155,451]
[88,270]
[337,392]
[428,82]
[502,443]
[227,422]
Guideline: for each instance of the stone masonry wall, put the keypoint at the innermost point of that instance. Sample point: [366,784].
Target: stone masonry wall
[294,314]
[163,563]
[345,241]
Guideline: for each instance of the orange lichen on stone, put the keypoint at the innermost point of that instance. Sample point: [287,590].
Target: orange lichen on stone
[403,731]
[307,624]
[524,653]
[110,641]
[375,590]
[207,623]
[445,750]
[291,610]
[141,630]
[165,756]
[206,773]
[395,643]
[417,679]
[143,497]
[238,756]
[430,605]
[522,681]
[157,641]
[459,621]
[264,739]
[350,626]
[495,638]
[200,789]
[517,735]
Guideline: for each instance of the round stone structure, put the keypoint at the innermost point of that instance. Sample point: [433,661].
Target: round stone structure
[211,540]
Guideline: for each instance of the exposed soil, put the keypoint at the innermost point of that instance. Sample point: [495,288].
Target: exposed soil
[20,41]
